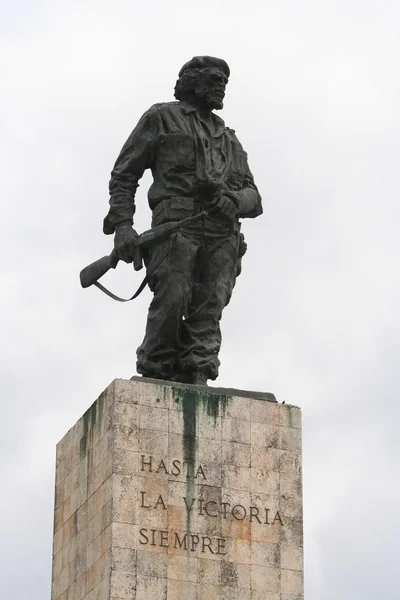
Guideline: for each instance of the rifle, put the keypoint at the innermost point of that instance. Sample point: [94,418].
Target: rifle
[90,274]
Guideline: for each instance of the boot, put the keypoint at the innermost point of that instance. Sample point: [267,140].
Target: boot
[198,378]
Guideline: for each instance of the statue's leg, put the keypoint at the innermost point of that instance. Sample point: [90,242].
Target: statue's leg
[214,279]
[171,282]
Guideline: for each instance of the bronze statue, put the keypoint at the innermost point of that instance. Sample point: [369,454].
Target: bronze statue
[199,168]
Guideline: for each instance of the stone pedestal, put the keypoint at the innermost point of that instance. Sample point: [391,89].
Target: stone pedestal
[170,492]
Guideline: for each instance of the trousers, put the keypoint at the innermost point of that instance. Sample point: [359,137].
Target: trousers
[192,275]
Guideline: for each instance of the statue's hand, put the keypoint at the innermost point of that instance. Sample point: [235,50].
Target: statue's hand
[224,205]
[124,242]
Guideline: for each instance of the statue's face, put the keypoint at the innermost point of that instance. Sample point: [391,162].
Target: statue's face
[210,87]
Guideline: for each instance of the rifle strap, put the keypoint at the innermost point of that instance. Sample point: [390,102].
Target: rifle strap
[140,288]
[114,297]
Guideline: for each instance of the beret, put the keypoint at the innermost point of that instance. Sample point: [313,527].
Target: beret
[201,62]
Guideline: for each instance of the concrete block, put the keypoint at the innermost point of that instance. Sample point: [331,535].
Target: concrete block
[166,492]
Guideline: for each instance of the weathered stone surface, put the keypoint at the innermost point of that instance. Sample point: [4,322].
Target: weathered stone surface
[167,492]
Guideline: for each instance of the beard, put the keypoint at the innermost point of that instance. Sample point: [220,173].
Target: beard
[212,96]
[216,101]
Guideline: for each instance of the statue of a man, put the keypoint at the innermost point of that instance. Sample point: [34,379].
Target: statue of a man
[198,165]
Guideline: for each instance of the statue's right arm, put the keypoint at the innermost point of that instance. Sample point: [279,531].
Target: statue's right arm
[135,157]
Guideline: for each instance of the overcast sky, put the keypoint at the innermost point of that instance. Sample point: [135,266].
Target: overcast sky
[314,98]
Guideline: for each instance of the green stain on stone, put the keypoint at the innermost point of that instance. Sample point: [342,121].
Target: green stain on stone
[214,405]
[100,401]
[86,426]
[189,405]
[188,399]
[289,415]
[93,414]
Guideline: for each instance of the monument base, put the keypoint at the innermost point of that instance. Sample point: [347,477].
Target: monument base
[173,492]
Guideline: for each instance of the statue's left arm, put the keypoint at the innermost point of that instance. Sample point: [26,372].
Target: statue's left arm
[242,198]
[247,198]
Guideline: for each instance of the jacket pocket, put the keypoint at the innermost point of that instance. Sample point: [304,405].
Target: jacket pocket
[177,148]
[172,209]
